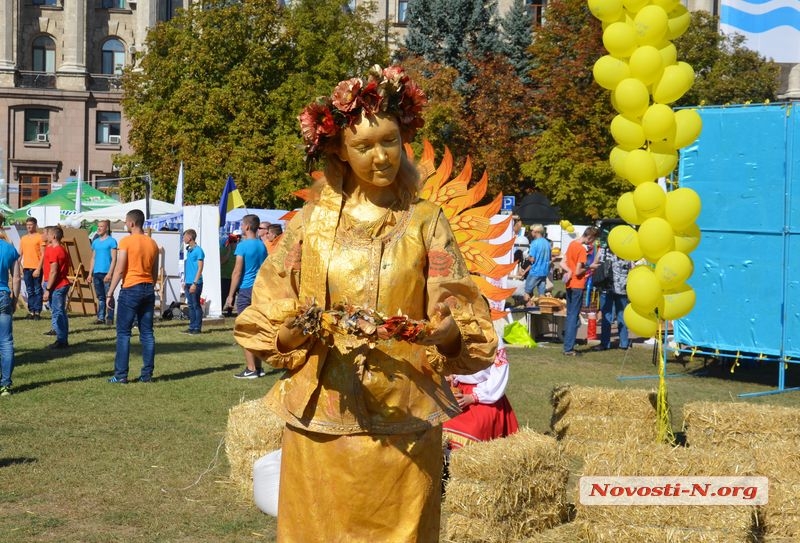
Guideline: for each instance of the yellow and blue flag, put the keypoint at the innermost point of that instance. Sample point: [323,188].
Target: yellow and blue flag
[231,199]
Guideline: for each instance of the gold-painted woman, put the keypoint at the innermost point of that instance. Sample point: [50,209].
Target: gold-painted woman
[362,449]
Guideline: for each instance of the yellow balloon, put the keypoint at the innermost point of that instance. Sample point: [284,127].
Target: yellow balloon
[674,82]
[682,208]
[651,25]
[606,10]
[669,54]
[570,229]
[673,269]
[624,241]
[642,325]
[639,167]
[678,22]
[627,209]
[665,157]
[688,125]
[627,132]
[617,159]
[643,288]
[649,200]
[646,64]
[688,239]
[667,5]
[658,122]
[619,39]
[608,71]
[632,6]
[656,238]
[632,97]
[677,302]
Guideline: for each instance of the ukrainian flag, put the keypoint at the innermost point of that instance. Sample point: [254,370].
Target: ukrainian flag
[231,199]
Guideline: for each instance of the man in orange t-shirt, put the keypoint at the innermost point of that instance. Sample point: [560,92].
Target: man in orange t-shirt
[575,267]
[137,271]
[30,248]
[55,266]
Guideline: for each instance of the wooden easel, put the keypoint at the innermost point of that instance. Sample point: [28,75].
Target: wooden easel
[81,298]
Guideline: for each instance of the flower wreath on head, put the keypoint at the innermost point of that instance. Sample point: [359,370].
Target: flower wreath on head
[384,90]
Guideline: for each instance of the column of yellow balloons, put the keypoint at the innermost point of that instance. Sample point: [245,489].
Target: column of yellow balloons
[644,76]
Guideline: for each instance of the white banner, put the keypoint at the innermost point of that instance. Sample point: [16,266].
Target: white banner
[771,27]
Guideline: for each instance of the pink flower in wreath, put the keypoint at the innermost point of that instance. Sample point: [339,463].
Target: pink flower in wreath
[316,121]
[345,95]
[371,98]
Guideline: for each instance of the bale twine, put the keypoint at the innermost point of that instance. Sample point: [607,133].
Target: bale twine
[587,416]
[696,523]
[738,424]
[253,431]
[505,489]
[770,437]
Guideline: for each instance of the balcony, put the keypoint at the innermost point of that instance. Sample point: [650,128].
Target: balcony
[35,80]
[105,83]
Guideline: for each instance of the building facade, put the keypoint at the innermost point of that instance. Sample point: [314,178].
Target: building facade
[60,68]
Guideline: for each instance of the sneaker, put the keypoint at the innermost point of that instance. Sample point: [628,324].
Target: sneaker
[116,381]
[600,348]
[247,374]
[58,345]
[261,372]
[190,332]
[144,379]
[37,317]
[50,333]
[109,322]
[5,391]
[570,353]
[99,321]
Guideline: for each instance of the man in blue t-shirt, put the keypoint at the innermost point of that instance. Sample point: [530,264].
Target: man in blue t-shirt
[9,266]
[193,280]
[539,258]
[104,259]
[250,254]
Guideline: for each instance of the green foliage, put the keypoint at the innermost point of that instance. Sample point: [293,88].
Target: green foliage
[727,72]
[221,89]
[515,27]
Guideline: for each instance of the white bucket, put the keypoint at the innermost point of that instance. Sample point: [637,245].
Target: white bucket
[266,482]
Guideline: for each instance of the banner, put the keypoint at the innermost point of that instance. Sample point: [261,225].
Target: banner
[771,27]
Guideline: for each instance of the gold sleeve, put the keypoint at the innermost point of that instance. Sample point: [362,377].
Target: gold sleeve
[275,299]
[449,282]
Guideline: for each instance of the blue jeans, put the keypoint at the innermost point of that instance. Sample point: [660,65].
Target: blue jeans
[612,307]
[195,309]
[135,302]
[6,339]
[574,304]
[101,291]
[538,282]
[33,287]
[58,309]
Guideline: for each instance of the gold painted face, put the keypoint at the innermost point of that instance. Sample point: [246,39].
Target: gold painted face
[373,148]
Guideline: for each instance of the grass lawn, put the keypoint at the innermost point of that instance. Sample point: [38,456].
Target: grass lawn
[83,460]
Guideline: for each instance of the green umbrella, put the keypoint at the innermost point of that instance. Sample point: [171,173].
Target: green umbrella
[65,197]
[5,210]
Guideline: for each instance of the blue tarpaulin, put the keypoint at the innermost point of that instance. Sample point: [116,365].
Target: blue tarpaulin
[746,168]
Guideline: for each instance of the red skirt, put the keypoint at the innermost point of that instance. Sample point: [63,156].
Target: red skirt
[480,421]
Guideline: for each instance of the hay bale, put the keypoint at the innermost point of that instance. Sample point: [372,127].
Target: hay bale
[253,431]
[667,523]
[584,417]
[738,424]
[505,489]
[571,532]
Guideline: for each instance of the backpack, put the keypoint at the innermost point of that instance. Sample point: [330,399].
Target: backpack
[603,277]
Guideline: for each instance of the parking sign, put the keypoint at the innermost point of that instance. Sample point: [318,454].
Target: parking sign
[508,203]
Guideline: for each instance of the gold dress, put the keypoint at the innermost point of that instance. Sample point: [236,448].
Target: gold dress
[362,454]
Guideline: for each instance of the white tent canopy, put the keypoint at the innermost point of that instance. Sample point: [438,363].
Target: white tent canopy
[118,212]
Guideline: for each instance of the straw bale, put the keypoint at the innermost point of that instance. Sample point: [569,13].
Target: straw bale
[505,489]
[782,512]
[253,431]
[571,532]
[738,423]
[602,533]
[586,416]
[691,522]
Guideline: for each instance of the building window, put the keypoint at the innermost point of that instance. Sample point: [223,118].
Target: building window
[44,54]
[114,4]
[108,127]
[32,187]
[113,57]
[37,125]
[402,11]
[45,2]
[536,10]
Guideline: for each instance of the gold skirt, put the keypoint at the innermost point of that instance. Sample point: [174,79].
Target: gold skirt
[354,488]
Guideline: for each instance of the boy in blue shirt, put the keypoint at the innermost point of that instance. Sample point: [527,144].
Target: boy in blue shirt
[193,280]
[9,267]
[104,259]
[250,254]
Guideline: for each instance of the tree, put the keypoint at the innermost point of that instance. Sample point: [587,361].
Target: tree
[726,71]
[221,87]
[452,33]
[517,37]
